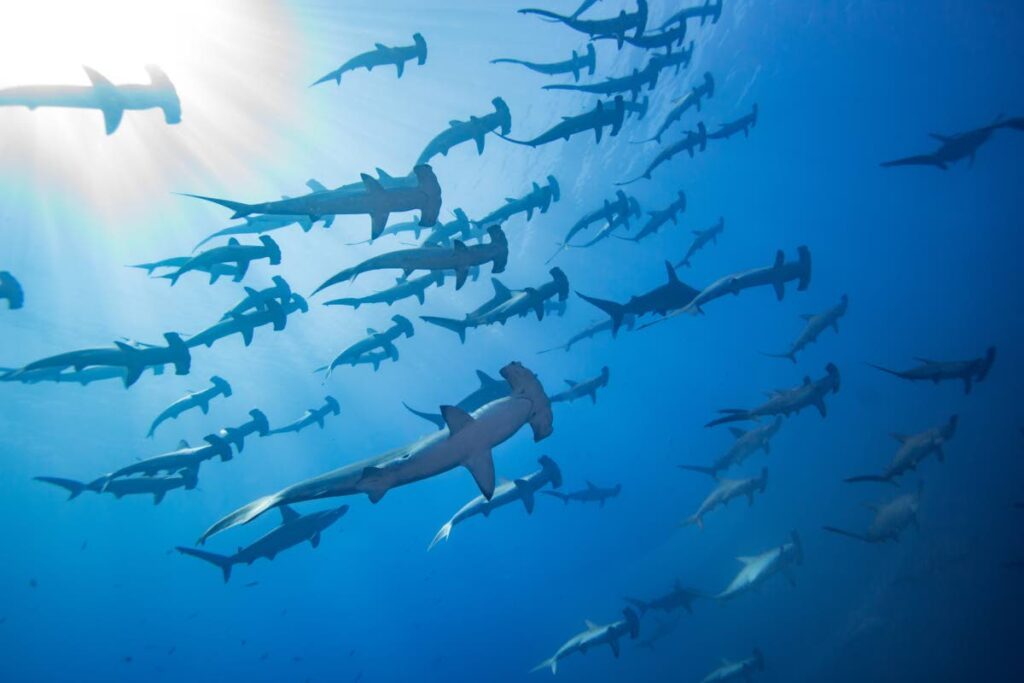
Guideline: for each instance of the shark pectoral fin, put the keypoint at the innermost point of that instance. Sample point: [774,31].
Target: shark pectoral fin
[400,66]
[593,397]
[247,335]
[479,139]
[158,497]
[820,405]
[481,466]
[132,374]
[460,277]
[378,221]
[373,483]
[314,540]
[780,290]
[525,494]
[614,644]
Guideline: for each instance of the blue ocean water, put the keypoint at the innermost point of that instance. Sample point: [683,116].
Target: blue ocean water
[92,589]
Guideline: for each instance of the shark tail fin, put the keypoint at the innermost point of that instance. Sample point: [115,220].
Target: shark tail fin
[616,311]
[430,417]
[456,326]
[222,561]
[442,535]
[549,663]
[72,486]
[241,210]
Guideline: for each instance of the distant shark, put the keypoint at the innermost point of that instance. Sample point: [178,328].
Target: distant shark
[591,331]
[574,65]
[596,120]
[197,399]
[473,130]
[373,341]
[184,458]
[913,450]
[10,289]
[952,148]
[382,55]
[215,270]
[816,324]
[742,670]
[709,10]
[690,100]
[272,313]
[740,125]
[693,142]
[891,519]
[967,371]
[670,296]
[788,401]
[293,530]
[112,100]
[617,26]
[776,276]
[747,443]
[468,442]
[725,491]
[679,596]
[402,289]
[757,569]
[233,252]
[538,199]
[632,84]
[521,489]
[257,424]
[595,635]
[701,238]
[135,486]
[313,416]
[661,217]
[591,494]
[587,387]
[254,299]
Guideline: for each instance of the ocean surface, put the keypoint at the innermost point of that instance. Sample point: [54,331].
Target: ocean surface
[92,589]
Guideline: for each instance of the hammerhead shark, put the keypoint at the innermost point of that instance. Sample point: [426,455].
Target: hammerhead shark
[257,424]
[891,518]
[134,359]
[257,225]
[967,371]
[382,55]
[186,457]
[464,131]
[709,10]
[686,102]
[639,108]
[402,289]
[661,217]
[607,212]
[759,568]
[490,389]
[725,491]
[233,252]
[775,275]
[538,199]
[913,450]
[746,444]
[672,295]
[952,148]
[151,486]
[667,38]
[193,399]
[83,377]
[788,401]
[740,125]
[596,119]
[673,60]
[617,26]
[742,670]
[468,442]
[590,332]
[592,494]
[691,143]
[113,100]
[313,416]
[574,65]
[587,387]
[633,83]
[378,197]
[521,489]
[595,635]
[618,220]
[255,299]
[459,257]
[215,271]
[816,324]
[507,304]
[373,341]
[444,234]
[272,313]
[679,596]
[10,289]
[701,238]
[293,530]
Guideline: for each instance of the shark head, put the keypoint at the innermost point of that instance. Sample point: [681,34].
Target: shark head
[332,404]
[556,193]
[561,283]
[833,377]
[299,303]
[431,189]
[551,470]
[503,114]
[273,251]
[590,61]
[605,374]
[499,239]
[181,356]
[709,84]
[526,385]
[282,290]
[259,421]
[221,385]
[403,325]
[421,48]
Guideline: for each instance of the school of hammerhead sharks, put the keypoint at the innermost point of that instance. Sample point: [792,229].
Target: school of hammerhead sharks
[469,431]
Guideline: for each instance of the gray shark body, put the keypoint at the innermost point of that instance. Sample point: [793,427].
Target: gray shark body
[113,100]
[490,389]
[591,494]
[701,238]
[374,341]
[593,330]
[672,295]
[775,276]
[913,450]
[620,220]
[444,234]
[661,217]
[574,65]
[538,199]
[725,491]
[216,270]
[245,324]
[134,486]
[746,444]
[744,669]
[952,148]
[890,520]
[186,457]
[740,125]
[688,101]
[257,424]
[587,387]
[468,442]
[757,569]
[709,10]
[522,489]
[678,597]
[404,288]
[789,401]
[612,213]
[618,26]
[293,530]
[11,291]
[474,130]
[313,416]
[459,258]
[507,304]
[596,120]
[83,377]
[377,197]
[382,55]
[666,39]
[241,255]
[254,299]
[192,400]
[691,143]
[632,84]
[816,324]
[967,371]
[594,636]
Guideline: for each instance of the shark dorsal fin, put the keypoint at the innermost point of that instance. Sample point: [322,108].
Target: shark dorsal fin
[591,626]
[232,242]
[485,379]
[183,444]
[500,290]
[747,559]
[571,383]
[459,246]
[288,514]
[456,418]
[372,332]
[591,485]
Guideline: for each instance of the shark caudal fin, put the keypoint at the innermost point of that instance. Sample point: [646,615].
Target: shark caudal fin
[442,535]
[848,534]
[222,561]
[241,210]
[791,355]
[72,486]
[730,415]
[617,312]
[890,371]
[557,494]
[434,418]
[456,326]
[549,663]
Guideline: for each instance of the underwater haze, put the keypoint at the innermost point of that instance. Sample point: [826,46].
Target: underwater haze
[876,146]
